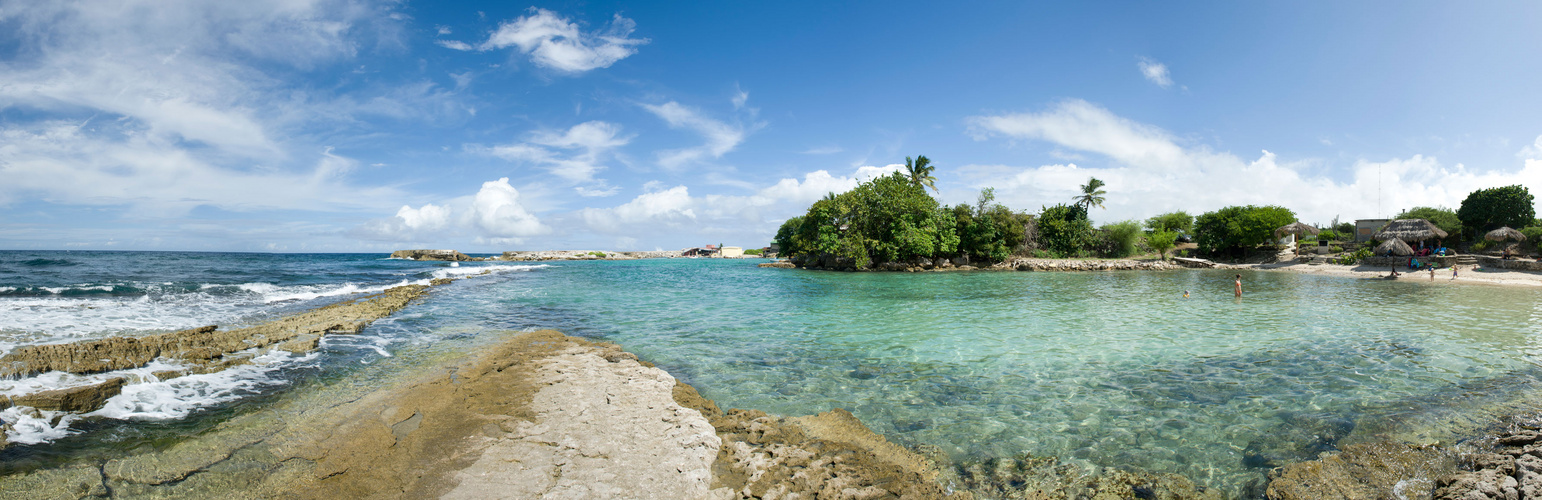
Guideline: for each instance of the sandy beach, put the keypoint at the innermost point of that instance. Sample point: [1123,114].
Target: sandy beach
[1466,276]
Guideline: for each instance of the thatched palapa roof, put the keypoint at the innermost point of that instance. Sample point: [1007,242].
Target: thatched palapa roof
[1410,230]
[1296,228]
[1504,233]
[1396,246]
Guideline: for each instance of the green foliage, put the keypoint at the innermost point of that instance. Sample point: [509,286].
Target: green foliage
[1482,245]
[1443,218]
[988,231]
[1162,241]
[1488,209]
[1335,249]
[920,172]
[1329,235]
[886,219]
[1533,237]
[1065,231]
[598,254]
[784,236]
[1122,238]
[1355,258]
[1239,228]
[1178,222]
[1346,228]
[1092,194]
[754,251]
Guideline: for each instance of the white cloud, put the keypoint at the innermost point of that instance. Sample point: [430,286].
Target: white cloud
[496,210]
[740,97]
[825,150]
[669,207]
[720,137]
[1156,72]
[587,144]
[428,218]
[1534,151]
[455,45]
[555,42]
[1152,174]
[59,162]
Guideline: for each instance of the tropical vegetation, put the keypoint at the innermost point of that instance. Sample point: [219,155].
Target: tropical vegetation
[1489,209]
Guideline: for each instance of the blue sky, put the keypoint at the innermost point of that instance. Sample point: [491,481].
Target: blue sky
[317,125]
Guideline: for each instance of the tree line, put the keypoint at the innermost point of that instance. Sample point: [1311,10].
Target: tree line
[893,219]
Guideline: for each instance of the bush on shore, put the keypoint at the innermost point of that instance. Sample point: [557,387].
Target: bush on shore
[1236,229]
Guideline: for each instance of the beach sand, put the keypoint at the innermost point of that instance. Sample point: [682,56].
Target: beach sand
[1467,276]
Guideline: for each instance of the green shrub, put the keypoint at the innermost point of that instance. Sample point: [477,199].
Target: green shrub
[754,251]
[1482,245]
[1162,241]
[1329,235]
[1178,222]
[1354,258]
[887,219]
[1236,229]
[598,254]
[1533,238]
[988,231]
[1065,230]
[1122,238]
[1335,249]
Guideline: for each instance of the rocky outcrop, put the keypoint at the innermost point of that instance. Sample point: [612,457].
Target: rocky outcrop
[1513,471]
[1369,471]
[530,256]
[207,344]
[82,399]
[447,255]
[779,265]
[1038,478]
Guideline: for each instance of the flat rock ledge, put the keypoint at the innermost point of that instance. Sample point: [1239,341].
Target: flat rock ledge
[205,349]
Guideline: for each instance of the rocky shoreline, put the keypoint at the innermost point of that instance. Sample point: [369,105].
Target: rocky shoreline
[200,350]
[963,264]
[534,255]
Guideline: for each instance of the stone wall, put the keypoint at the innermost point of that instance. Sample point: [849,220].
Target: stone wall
[1516,264]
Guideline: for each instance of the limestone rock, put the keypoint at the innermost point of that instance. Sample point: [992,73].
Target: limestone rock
[80,481]
[86,398]
[1364,471]
[446,255]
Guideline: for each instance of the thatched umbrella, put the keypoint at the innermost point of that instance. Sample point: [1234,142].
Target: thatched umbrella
[1394,245]
[1296,228]
[1410,230]
[1504,233]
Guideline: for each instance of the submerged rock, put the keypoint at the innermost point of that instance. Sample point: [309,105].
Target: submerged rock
[1374,470]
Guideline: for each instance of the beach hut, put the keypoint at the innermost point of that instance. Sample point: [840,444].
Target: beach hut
[1410,230]
[1395,246]
[1296,228]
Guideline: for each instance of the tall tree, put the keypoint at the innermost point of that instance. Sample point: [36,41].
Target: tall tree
[1092,194]
[1486,209]
[920,172]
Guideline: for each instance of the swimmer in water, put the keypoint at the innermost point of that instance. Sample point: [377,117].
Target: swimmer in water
[1185,294]
[1239,285]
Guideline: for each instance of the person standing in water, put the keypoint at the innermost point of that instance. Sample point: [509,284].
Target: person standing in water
[1453,271]
[1239,285]
[1432,272]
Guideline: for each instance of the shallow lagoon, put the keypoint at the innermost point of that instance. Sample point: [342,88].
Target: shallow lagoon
[1102,368]
[1111,369]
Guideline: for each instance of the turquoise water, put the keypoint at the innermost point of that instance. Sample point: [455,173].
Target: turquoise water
[1106,369]
[1114,369]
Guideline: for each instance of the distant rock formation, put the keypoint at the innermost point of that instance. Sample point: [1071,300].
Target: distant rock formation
[447,255]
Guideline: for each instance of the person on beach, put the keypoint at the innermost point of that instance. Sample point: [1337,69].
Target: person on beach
[1432,273]
[1239,285]
[1453,271]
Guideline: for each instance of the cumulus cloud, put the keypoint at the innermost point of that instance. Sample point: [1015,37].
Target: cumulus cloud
[575,155]
[555,42]
[1156,72]
[721,137]
[497,212]
[494,214]
[1151,173]
[669,207]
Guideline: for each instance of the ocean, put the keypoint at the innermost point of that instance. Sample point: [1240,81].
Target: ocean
[1106,369]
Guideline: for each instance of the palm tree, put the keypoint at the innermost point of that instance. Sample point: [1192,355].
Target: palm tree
[920,171]
[1091,195]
